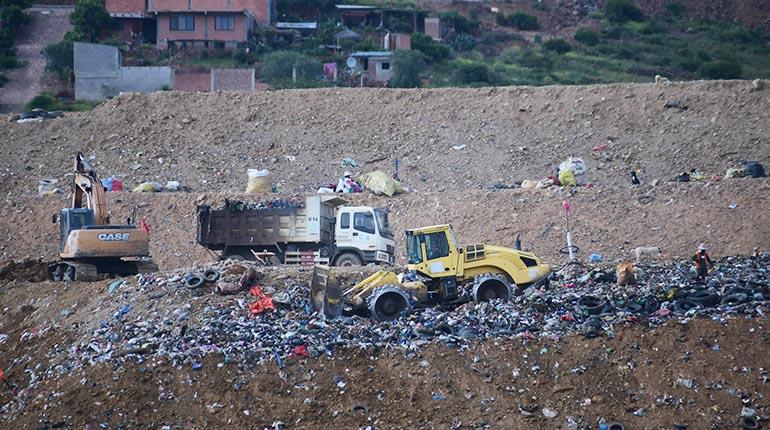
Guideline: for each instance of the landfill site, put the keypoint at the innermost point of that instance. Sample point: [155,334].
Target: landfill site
[573,257]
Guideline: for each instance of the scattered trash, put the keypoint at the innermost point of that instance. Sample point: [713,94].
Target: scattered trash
[689,383]
[148,187]
[380,183]
[47,187]
[733,205]
[112,183]
[171,186]
[595,258]
[438,396]
[114,285]
[550,413]
[349,162]
[459,147]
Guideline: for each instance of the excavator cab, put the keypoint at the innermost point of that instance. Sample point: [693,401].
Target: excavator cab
[73,219]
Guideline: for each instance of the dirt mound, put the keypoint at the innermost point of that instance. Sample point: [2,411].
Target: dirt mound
[207,141]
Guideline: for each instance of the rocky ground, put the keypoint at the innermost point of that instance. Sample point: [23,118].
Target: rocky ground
[207,141]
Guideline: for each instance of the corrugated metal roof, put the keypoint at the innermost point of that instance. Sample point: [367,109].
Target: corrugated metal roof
[372,54]
[296,25]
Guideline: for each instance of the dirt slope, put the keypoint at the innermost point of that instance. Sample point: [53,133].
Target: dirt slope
[207,141]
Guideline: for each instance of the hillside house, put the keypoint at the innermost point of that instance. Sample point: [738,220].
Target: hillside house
[191,23]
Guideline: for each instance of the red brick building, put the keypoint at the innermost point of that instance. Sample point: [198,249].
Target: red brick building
[196,23]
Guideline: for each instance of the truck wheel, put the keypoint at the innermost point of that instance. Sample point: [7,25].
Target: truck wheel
[348,259]
[388,303]
[489,287]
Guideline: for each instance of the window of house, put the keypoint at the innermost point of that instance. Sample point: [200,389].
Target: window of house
[385,66]
[181,23]
[224,23]
[436,245]
[366,64]
[364,221]
[345,220]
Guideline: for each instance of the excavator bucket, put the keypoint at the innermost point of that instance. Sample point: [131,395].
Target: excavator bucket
[325,294]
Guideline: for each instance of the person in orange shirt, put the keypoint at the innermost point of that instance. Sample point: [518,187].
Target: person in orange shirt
[702,263]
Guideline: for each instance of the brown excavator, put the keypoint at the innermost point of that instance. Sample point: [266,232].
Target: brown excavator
[90,248]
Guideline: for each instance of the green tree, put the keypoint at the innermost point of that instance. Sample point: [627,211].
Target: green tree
[407,65]
[460,23]
[59,59]
[90,20]
[14,18]
[434,51]
[471,73]
[277,68]
[622,11]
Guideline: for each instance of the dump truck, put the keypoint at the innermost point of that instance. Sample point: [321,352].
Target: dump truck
[438,271]
[91,248]
[322,229]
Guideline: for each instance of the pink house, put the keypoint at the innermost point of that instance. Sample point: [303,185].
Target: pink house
[195,23]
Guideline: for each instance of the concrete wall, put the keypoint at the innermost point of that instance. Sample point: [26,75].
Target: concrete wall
[433,28]
[99,74]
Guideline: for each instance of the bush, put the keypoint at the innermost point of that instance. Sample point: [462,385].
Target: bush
[43,100]
[721,69]
[277,68]
[434,51]
[459,23]
[14,17]
[675,9]
[470,73]
[519,20]
[242,57]
[622,11]
[90,20]
[59,59]
[3,79]
[587,36]
[559,46]
[407,67]
[463,42]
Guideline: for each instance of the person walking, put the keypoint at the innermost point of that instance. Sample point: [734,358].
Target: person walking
[702,263]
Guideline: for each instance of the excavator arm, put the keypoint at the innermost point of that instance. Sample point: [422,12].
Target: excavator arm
[87,186]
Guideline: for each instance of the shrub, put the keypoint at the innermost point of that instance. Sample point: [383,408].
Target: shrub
[675,9]
[622,11]
[241,56]
[721,69]
[586,36]
[463,42]
[559,46]
[459,23]
[3,79]
[90,20]
[407,65]
[470,73]
[519,20]
[14,17]
[43,100]
[434,51]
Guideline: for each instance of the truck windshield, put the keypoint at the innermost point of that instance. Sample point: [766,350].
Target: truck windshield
[382,223]
[413,249]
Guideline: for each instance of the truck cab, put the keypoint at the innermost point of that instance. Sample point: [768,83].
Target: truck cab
[362,235]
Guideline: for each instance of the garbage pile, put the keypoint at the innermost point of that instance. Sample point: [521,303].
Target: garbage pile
[274,322]
[261,205]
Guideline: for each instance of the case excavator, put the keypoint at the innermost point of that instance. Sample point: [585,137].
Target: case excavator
[90,248]
[439,271]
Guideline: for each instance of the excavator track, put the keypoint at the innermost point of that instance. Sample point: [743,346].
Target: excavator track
[67,271]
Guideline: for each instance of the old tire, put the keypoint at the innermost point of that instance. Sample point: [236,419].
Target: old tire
[388,303]
[591,305]
[749,423]
[211,275]
[490,286]
[684,305]
[194,281]
[704,298]
[348,259]
[734,299]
